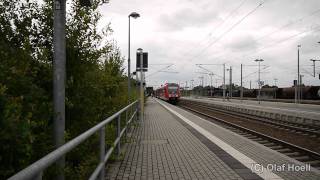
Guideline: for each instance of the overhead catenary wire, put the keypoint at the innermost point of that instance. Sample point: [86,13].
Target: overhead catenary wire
[284,40]
[289,24]
[219,25]
[254,72]
[228,30]
[278,30]
[162,69]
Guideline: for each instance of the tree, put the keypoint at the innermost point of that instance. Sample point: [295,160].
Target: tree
[95,86]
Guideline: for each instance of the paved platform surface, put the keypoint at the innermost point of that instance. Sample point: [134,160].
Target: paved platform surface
[261,155]
[172,143]
[164,149]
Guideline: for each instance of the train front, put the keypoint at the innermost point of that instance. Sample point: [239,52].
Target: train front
[173,93]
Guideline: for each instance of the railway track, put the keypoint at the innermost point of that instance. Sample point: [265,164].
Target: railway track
[297,152]
[308,130]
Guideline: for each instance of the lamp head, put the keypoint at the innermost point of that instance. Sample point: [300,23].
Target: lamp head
[259,60]
[134,15]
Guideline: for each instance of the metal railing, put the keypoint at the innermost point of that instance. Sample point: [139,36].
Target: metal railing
[35,170]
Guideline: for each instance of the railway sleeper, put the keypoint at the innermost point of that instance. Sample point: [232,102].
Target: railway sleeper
[292,154]
[276,147]
[263,141]
[249,136]
[284,150]
[256,139]
[269,144]
[302,158]
[315,163]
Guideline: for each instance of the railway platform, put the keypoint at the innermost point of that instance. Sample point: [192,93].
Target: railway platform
[172,143]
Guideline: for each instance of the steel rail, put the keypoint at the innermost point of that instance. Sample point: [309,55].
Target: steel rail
[289,125]
[302,150]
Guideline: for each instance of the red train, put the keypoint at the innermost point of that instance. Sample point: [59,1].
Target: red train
[169,92]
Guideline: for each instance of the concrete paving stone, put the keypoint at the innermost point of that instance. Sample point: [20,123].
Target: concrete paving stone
[257,152]
[183,156]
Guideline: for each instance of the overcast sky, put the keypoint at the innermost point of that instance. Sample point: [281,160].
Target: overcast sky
[189,32]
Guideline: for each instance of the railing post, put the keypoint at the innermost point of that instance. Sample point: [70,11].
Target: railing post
[131,113]
[126,126]
[102,151]
[38,176]
[118,135]
[137,108]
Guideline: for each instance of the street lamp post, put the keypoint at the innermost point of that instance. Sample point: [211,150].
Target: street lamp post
[297,96]
[134,15]
[259,82]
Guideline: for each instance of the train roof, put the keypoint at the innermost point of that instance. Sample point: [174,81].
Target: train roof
[172,84]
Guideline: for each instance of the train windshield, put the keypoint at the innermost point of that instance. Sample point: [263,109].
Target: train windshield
[173,88]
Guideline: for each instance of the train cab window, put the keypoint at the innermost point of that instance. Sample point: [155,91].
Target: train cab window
[173,89]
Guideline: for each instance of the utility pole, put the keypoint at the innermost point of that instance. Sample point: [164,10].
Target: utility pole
[202,81]
[201,84]
[186,88]
[224,68]
[241,90]
[192,86]
[275,84]
[250,84]
[224,81]
[300,80]
[230,82]
[211,74]
[259,82]
[298,77]
[59,76]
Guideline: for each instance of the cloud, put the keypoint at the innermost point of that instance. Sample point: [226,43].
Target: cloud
[187,17]
[242,43]
[178,32]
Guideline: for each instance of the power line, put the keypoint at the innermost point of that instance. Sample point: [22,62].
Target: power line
[289,24]
[220,24]
[286,39]
[162,69]
[254,72]
[282,27]
[228,30]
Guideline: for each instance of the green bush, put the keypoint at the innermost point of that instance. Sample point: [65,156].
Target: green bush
[95,84]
